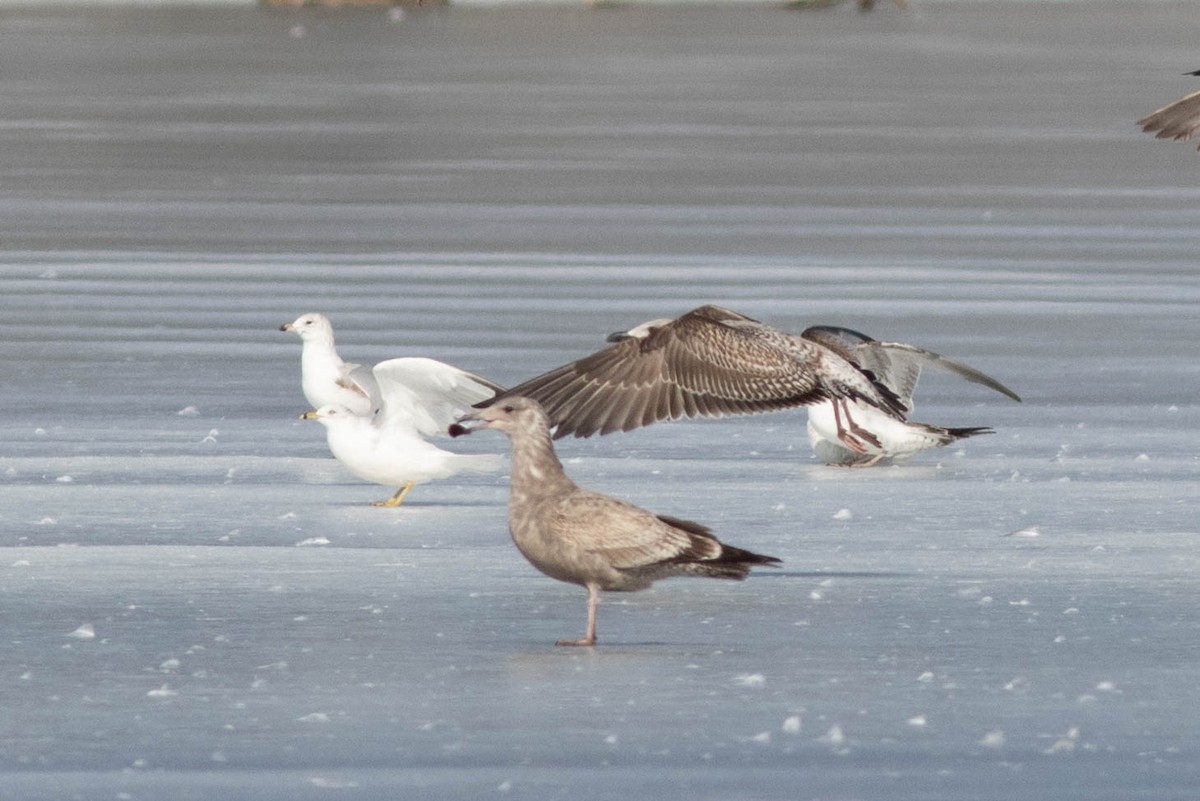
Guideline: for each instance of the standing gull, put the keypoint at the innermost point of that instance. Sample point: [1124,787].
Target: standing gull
[1179,120]
[585,538]
[326,379]
[711,362]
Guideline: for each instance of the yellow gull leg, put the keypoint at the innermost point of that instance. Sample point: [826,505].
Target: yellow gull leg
[396,499]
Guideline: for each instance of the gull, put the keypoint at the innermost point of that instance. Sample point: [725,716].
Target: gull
[1179,120]
[713,362]
[325,379]
[897,366]
[418,398]
[582,537]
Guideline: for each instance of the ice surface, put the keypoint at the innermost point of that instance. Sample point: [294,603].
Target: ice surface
[197,601]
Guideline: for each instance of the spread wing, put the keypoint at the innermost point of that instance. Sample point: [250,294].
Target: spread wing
[895,364]
[426,395]
[711,362]
[1179,120]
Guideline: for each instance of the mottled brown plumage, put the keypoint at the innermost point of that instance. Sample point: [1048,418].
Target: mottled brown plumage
[711,362]
[1179,120]
[582,537]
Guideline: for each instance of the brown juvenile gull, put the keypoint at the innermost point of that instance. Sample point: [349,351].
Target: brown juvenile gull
[879,435]
[711,362]
[1179,120]
[897,366]
[585,538]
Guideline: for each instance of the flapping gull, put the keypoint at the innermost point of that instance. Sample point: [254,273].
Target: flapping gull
[897,366]
[325,379]
[419,398]
[711,362]
[585,538]
[1179,120]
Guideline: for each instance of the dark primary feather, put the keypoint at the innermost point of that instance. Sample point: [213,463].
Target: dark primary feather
[712,557]
[895,364]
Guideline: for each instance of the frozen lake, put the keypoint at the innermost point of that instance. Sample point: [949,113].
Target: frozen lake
[197,602]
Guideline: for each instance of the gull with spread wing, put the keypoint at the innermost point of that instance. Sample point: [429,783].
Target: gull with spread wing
[713,362]
[420,398]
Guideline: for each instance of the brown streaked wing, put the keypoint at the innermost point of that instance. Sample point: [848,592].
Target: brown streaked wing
[710,362]
[624,535]
[1178,120]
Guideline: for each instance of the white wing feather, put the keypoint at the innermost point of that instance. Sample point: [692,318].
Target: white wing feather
[426,395]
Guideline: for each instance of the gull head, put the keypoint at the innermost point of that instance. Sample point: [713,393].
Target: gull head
[330,415]
[638,331]
[506,415]
[310,326]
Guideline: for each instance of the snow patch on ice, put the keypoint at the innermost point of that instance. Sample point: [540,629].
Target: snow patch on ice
[85,631]
[993,739]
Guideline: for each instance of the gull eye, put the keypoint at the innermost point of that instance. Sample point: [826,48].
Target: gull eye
[509,409]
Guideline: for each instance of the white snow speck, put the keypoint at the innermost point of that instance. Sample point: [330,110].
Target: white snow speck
[1027,533]
[49,274]
[834,736]
[917,721]
[212,436]
[1107,687]
[792,725]
[331,784]
[750,679]
[504,787]
[85,632]
[312,541]
[64,479]
[188,411]
[763,737]
[169,665]
[993,739]
[611,739]
[45,521]
[1064,745]
[1018,685]
[39,432]
[925,677]
[779,507]
[20,563]
[314,717]
[162,692]
[1142,457]
[843,514]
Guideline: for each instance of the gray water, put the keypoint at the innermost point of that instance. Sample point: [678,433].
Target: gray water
[197,602]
